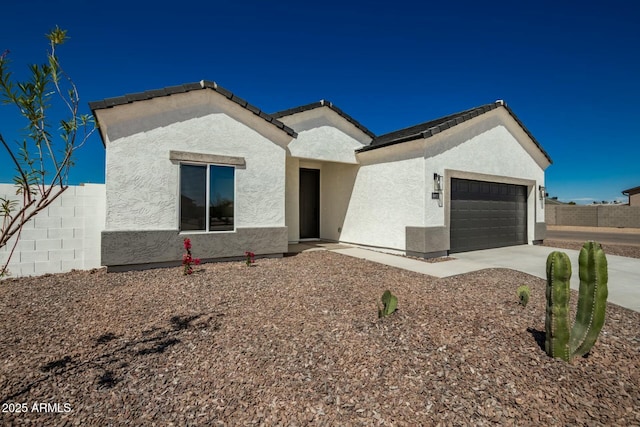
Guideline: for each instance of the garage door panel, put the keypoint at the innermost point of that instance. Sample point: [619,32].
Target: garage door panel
[487,214]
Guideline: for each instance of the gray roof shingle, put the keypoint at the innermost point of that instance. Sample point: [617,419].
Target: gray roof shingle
[328,104]
[433,127]
[422,130]
[172,90]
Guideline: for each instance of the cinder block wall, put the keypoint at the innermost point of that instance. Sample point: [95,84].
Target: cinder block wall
[586,216]
[62,237]
[619,216]
[593,216]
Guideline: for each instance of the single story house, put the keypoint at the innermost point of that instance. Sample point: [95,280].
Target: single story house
[197,161]
[634,196]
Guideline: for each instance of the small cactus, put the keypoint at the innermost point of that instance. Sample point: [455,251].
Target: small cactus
[523,295]
[389,304]
[592,302]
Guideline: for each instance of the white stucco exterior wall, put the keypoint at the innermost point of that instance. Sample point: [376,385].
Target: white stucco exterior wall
[386,198]
[337,182]
[324,135]
[292,210]
[143,184]
[326,141]
[336,185]
[393,186]
[491,154]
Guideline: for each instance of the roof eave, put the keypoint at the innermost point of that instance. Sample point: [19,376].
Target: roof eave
[529,134]
[455,120]
[331,106]
[630,190]
[188,87]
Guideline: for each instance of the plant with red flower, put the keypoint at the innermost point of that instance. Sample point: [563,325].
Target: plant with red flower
[187,260]
[251,258]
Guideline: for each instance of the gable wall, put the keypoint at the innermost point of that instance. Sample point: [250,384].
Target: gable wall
[324,135]
[491,154]
[142,183]
[391,196]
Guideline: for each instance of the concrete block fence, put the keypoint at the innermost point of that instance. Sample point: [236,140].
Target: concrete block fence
[62,237]
[593,216]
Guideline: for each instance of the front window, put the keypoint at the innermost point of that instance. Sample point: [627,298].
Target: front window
[207,194]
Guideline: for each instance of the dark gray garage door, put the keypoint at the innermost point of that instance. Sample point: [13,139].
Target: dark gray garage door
[487,215]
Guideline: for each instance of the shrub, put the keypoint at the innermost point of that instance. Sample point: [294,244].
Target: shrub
[187,260]
[251,258]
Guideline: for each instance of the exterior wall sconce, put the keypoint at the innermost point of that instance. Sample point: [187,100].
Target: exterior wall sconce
[542,193]
[437,182]
[437,188]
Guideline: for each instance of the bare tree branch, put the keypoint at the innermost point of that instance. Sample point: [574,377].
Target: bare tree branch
[32,101]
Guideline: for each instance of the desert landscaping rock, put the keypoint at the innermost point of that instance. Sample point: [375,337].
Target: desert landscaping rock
[296,341]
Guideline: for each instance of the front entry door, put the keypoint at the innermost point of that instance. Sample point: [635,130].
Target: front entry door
[309,203]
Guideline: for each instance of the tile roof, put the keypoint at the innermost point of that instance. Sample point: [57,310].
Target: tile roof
[422,130]
[172,90]
[433,127]
[323,103]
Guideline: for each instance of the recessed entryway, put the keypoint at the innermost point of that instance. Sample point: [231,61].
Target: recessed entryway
[309,203]
[487,215]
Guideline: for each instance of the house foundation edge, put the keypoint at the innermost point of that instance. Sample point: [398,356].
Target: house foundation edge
[157,248]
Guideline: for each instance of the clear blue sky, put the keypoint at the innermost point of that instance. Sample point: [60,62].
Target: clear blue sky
[570,70]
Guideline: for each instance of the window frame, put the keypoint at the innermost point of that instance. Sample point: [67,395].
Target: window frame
[208,196]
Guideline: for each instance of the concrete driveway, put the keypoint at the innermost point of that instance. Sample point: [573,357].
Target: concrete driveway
[624,273]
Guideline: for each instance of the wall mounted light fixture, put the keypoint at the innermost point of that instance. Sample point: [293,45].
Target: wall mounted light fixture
[437,188]
[541,192]
[437,182]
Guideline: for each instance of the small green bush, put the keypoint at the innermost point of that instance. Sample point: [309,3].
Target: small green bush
[523,295]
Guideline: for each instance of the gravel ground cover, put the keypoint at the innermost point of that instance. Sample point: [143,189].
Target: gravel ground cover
[296,341]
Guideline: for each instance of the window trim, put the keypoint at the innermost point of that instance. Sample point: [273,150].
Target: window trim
[208,195]
[188,157]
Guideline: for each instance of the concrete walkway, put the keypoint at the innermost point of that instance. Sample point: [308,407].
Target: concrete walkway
[624,273]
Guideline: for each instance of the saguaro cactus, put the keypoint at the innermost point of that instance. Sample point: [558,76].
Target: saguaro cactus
[592,302]
[557,319]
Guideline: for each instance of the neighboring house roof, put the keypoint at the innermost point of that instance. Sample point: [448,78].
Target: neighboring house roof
[631,191]
[323,103]
[172,90]
[433,127]
[554,201]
